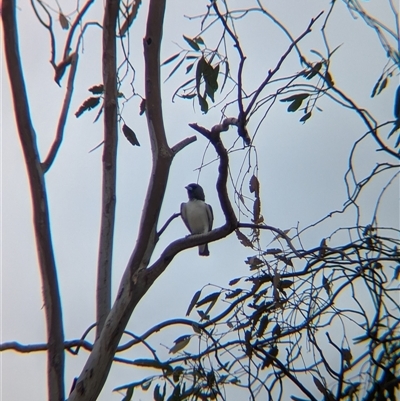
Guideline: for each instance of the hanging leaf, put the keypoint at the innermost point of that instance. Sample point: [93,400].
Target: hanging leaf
[180,343]
[295,105]
[374,90]
[209,298]
[203,104]
[319,385]
[236,280]
[243,239]
[199,73]
[195,298]
[63,21]
[97,89]
[328,79]
[146,385]
[314,70]
[254,185]
[88,104]
[199,40]
[142,107]
[172,58]
[130,135]
[192,43]
[177,373]
[299,96]
[276,331]
[226,74]
[397,104]
[263,325]
[158,396]
[175,69]
[189,68]
[305,117]
[383,85]
[346,353]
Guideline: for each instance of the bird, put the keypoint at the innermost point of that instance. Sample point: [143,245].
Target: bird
[197,214]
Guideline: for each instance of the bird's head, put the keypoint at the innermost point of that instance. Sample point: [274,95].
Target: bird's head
[195,191]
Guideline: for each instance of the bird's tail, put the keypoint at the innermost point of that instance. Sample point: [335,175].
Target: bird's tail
[203,250]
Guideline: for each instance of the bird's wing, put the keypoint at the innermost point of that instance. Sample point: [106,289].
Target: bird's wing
[184,215]
[210,216]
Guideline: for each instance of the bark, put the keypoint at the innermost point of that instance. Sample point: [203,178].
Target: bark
[106,242]
[27,135]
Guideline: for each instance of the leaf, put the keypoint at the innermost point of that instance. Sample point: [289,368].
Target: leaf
[209,298]
[326,284]
[188,96]
[192,43]
[157,395]
[383,85]
[236,280]
[272,251]
[174,69]
[203,104]
[299,96]
[63,21]
[88,104]
[189,68]
[276,331]
[256,210]
[285,283]
[196,328]
[130,135]
[199,40]
[177,373]
[172,58]
[374,90]
[243,239]
[305,117]
[199,73]
[97,89]
[262,326]
[314,70]
[319,385]
[254,185]
[226,74]
[146,385]
[193,302]
[346,353]
[295,105]
[397,104]
[328,79]
[142,107]
[180,343]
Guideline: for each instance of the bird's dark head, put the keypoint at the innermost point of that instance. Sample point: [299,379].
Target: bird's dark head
[195,191]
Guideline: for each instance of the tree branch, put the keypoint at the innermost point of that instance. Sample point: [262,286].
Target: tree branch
[104,264]
[41,222]
[63,116]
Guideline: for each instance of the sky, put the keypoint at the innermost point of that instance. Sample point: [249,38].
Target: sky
[301,169]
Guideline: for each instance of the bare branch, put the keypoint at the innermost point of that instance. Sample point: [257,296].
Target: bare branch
[52,303]
[63,116]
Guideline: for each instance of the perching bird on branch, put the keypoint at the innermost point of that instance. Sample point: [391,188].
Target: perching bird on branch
[197,214]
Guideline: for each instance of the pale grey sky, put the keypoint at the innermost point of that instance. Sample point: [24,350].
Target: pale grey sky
[301,170]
